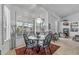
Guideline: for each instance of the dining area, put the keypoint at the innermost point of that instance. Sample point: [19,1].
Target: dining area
[36,37]
[35,31]
[38,42]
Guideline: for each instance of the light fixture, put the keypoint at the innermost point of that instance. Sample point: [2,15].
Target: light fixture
[39,20]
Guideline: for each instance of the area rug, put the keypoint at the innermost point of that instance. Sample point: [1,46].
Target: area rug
[37,51]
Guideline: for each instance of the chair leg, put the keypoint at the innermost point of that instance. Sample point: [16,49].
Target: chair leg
[47,50]
[25,51]
[50,50]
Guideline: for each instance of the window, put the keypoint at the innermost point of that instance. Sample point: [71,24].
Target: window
[74,26]
[6,23]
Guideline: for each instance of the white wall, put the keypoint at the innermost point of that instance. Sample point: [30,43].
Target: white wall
[6,45]
[72,18]
[52,19]
[0,26]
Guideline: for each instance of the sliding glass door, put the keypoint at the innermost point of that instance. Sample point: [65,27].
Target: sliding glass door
[22,27]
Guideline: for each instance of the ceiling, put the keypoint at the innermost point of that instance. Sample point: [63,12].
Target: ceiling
[59,9]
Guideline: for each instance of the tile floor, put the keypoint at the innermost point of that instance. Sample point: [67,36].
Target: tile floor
[67,47]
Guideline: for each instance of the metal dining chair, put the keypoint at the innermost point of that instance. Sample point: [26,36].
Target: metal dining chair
[28,42]
[48,39]
[25,39]
[45,43]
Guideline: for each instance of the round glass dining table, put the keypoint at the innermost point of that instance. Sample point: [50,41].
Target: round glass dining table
[39,40]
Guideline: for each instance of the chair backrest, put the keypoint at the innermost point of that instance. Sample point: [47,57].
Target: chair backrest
[25,38]
[56,36]
[48,38]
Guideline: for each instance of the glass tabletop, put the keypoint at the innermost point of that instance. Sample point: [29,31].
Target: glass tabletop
[42,37]
[32,37]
